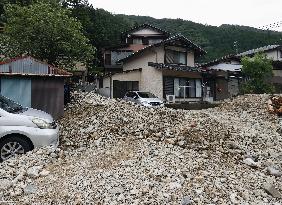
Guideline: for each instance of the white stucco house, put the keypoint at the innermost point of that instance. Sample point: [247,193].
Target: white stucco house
[151,60]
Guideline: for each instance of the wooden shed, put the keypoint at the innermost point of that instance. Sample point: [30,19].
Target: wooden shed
[34,84]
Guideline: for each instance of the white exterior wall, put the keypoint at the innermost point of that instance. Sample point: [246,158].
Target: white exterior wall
[146,32]
[106,82]
[191,59]
[151,79]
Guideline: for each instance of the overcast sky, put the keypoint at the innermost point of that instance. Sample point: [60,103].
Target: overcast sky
[254,13]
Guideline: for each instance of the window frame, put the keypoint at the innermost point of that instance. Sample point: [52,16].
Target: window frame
[175,51]
[179,94]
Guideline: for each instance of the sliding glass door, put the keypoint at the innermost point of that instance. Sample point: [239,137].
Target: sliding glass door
[191,88]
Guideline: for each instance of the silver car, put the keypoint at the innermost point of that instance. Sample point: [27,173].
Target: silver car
[22,129]
[144,98]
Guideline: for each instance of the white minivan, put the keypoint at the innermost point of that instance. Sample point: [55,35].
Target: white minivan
[22,129]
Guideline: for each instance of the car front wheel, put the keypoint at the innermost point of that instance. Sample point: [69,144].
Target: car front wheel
[13,145]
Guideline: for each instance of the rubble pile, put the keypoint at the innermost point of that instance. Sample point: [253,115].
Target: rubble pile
[275,105]
[116,152]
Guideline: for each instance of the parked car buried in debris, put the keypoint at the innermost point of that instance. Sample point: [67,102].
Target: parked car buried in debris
[143,98]
[22,129]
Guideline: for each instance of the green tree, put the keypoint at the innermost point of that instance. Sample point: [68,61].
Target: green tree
[47,32]
[258,72]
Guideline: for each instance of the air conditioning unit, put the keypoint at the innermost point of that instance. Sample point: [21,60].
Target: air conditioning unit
[170,98]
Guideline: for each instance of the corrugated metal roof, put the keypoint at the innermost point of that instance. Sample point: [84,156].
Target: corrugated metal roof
[30,66]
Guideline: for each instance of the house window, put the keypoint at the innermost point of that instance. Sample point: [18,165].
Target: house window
[280,52]
[137,41]
[175,57]
[191,88]
[108,59]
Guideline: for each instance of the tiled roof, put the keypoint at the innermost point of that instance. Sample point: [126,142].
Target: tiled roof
[171,39]
[219,60]
[239,55]
[145,25]
[257,50]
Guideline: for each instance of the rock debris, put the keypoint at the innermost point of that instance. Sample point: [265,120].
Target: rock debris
[115,152]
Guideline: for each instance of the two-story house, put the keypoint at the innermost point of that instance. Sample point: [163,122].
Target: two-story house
[132,40]
[152,61]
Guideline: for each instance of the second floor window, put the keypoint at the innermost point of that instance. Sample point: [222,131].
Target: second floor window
[175,57]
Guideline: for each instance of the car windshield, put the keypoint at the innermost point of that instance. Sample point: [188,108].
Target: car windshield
[146,95]
[9,105]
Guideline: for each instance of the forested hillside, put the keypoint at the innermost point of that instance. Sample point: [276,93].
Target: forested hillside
[103,29]
[217,41]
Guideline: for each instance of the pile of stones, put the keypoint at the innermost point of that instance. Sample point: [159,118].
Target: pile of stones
[116,152]
[275,105]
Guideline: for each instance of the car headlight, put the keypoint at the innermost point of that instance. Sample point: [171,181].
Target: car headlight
[42,124]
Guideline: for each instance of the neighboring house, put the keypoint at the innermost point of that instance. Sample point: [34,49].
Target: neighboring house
[34,84]
[229,67]
[273,52]
[151,61]
[223,78]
